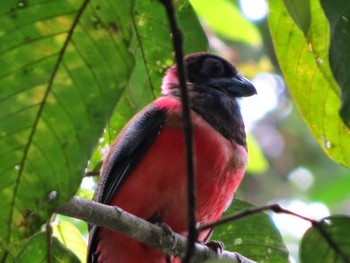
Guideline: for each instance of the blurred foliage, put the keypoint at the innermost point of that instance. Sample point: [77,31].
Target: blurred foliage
[73,72]
[71,237]
[37,247]
[262,244]
[315,248]
[229,15]
[259,163]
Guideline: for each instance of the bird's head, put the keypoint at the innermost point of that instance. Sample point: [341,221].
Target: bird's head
[208,71]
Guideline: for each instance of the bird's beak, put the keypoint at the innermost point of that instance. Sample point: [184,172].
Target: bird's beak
[237,86]
[241,87]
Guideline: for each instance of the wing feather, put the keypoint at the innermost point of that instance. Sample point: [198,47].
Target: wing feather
[129,148]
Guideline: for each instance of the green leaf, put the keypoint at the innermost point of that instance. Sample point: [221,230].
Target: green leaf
[300,12]
[305,67]
[257,161]
[255,237]
[227,20]
[315,248]
[36,250]
[85,193]
[338,14]
[64,66]
[71,238]
[80,225]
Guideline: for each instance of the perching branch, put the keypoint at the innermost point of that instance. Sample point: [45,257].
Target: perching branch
[191,183]
[152,235]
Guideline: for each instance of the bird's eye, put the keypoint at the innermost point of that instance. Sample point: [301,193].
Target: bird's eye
[212,67]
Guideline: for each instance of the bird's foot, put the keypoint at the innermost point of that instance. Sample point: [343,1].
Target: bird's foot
[167,230]
[169,233]
[156,219]
[216,246]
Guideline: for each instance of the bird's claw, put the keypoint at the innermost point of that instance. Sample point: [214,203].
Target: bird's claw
[216,246]
[167,230]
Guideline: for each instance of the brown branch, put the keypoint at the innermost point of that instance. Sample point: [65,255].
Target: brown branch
[187,129]
[252,211]
[152,235]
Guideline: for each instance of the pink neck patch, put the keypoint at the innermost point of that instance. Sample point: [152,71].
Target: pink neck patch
[168,103]
[170,80]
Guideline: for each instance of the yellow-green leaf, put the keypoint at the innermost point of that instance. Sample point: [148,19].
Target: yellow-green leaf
[305,66]
[70,236]
[227,20]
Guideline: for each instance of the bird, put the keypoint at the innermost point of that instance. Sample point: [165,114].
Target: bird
[144,172]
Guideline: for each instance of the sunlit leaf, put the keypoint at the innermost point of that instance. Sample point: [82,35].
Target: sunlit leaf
[36,250]
[300,12]
[257,161]
[64,65]
[79,224]
[227,20]
[338,14]
[71,238]
[306,70]
[316,248]
[85,193]
[255,237]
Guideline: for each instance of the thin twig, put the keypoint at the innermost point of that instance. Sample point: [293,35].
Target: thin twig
[177,43]
[136,228]
[49,240]
[276,208]
[253,211]
[91,173]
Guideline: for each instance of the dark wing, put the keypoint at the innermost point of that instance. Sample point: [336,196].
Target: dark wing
[139,135]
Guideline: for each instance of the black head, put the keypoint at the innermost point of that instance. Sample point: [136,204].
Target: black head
[211,71]
[213,86]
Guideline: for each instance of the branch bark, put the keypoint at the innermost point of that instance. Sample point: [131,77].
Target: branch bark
[152,235]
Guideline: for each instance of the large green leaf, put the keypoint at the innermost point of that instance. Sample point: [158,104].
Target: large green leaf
[305,67]
[255,237]
[338,14]
[64,65]
[36,250]
[331,246]
[300,12]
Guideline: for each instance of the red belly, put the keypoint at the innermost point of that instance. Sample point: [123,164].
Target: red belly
[157,186]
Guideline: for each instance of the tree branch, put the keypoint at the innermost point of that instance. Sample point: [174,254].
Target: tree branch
[152,235]
[276,208]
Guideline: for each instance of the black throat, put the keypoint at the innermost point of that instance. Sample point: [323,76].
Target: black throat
[220,111]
